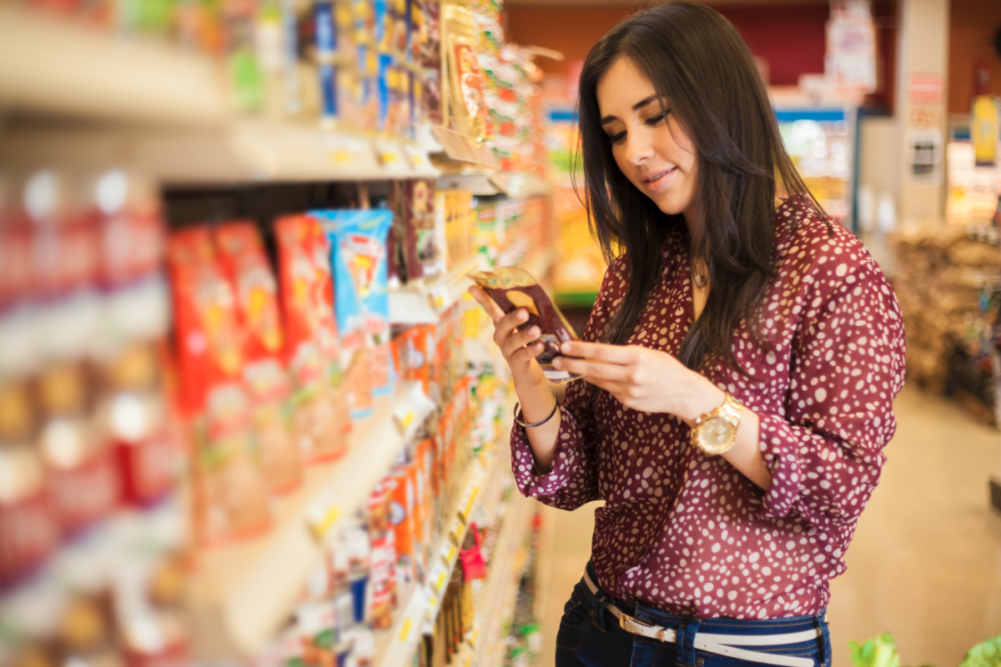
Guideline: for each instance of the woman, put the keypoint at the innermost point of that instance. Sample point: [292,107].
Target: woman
[739,368]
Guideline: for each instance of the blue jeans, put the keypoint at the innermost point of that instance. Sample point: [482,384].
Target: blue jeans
[590,636]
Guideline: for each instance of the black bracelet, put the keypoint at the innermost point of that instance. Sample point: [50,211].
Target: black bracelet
[551,414]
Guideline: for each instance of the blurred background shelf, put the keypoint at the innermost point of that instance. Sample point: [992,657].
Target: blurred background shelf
[242,593]
[77,70]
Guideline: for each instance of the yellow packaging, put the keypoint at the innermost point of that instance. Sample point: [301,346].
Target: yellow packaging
[984,130]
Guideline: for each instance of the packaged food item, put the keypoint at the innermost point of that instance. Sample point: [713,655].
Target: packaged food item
[81,464]
[512,288]
[456,214]
[358,248]
[265,378]
[148,609]
[229,497]
[467,109]
[427,48]
[137,418]
[312,351]
[28,527]
[401,517]
[424,236]
[229,493]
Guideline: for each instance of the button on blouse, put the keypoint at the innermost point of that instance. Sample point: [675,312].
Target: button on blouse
[688,533]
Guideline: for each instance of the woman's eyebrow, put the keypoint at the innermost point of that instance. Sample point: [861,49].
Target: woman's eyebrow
[636,107]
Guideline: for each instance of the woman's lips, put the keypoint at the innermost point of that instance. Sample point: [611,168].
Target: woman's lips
[656,182]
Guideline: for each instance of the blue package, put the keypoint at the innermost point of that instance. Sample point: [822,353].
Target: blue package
[361,286]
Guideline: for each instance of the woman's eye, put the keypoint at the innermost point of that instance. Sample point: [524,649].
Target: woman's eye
[617,138]
[655,120]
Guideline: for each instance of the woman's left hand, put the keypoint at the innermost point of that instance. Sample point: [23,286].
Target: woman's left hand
[640,378]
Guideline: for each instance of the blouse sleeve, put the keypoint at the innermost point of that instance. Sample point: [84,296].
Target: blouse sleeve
[573,480]
[825,452]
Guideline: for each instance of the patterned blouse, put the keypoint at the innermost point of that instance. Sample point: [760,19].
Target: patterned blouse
[688,533]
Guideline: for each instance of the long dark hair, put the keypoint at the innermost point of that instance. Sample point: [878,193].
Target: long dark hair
[695,59]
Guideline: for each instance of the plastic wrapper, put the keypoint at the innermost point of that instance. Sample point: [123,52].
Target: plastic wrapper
[512,288]
[265,377]
[468,112]
[358,250]
[320,409]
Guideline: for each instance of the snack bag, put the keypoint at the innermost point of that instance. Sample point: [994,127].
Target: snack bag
[358,250]
[425,239]
[265,378]
[467,107]
[312,350]
[512,288]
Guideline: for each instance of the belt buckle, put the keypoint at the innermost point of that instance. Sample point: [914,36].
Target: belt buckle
[658,635]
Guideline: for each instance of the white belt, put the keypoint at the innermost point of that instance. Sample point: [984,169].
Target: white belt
[719,644]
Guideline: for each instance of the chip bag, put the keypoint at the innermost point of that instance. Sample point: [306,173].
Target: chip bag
[512,288]
[312,350]
[358,256]
[241,254]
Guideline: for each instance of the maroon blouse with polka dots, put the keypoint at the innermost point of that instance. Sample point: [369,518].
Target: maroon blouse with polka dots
[688,533]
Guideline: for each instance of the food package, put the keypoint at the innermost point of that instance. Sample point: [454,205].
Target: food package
[512,288]
[425,238]
[320,407]
[468,112]
[85,486]
[28,527]
[229,497]
[401,517]
[358,250]
[455,215]
[265,377]
[426,17]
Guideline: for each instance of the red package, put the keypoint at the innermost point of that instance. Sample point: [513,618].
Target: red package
[139,424]
[28,527]
[246,266]
[401,512]
[81,465]
[206,323]
[312,351]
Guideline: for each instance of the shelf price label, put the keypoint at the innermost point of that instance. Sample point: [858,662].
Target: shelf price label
[418,158]
[391,156]
[323,516]
[414,406]
[405,630]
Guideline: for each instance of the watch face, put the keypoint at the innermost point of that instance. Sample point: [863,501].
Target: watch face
[716,435]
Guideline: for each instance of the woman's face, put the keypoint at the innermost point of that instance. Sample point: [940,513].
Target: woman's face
[648,143]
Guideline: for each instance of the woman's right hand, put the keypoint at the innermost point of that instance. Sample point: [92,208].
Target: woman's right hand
[515,345]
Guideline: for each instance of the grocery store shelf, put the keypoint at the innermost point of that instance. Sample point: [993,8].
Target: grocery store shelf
[242,150]
[54,64]
[424,301]
[495,604]
[240,594]
[424,602]
[520,186]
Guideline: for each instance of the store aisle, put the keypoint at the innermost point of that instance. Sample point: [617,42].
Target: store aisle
[926,560]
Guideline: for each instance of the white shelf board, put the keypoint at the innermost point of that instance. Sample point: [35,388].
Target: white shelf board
[243,150]
[241,594]
[57,64]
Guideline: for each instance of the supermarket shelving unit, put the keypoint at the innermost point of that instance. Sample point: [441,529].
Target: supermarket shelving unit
[98,101]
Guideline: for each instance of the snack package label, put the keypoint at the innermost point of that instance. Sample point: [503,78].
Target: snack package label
[358,249]
[512,288]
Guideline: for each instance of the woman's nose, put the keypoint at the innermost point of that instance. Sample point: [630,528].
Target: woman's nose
[638,148]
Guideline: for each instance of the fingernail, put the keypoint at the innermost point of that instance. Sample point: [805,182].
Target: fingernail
[522,315]
[557,363]
[565,347]
[534,331]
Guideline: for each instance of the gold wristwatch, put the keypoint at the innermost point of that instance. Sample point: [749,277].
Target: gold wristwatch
[716,432]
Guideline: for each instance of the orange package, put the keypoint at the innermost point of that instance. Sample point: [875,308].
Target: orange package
[241,254]
[229,498]
[311,347]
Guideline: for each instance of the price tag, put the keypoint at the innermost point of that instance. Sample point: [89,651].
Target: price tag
[341,157]
[391,156]
[452,551]
[321,519]
[440,581]
[414,406]
[405,630]
[418,158]
[469,503]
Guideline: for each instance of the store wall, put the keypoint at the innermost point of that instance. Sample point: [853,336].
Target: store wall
[790,38]
[972,24]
